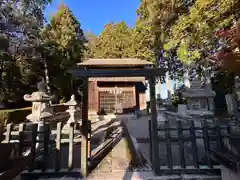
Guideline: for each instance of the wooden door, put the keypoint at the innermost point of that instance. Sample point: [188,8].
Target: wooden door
[127,98]
[107,101]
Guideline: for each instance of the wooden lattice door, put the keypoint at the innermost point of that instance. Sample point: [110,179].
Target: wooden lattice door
[107,101]
[127,100]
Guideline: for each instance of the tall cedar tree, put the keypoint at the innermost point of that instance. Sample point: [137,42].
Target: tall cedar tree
[64,43]
[117,40]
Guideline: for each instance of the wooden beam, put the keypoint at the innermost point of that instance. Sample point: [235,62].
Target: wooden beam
[118,73]
[118,79]
[154,126]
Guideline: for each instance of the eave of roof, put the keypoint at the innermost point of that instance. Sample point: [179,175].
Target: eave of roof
[118,79]
[114,62]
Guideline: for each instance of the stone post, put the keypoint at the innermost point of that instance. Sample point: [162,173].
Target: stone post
[169,97]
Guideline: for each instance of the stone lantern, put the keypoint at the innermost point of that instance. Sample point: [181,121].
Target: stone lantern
[40,103]
[72,103]
[199,99]
[41,108]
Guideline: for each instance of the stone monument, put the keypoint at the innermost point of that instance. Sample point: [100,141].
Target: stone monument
[200,99]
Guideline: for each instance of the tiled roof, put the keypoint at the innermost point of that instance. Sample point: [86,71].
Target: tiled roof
[118,62]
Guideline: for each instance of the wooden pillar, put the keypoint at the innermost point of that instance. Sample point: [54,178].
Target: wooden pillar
[93,96]
[154,125]
[84,142]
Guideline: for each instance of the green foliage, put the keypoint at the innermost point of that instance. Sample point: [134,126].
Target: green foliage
[177,99]
[63,45]
[195,30]
[20,23]
[159,16]
[114,41]
[28,51]
[63,100]
[117,40]
[64,31]
[92,40]
[142,43]
[15,116]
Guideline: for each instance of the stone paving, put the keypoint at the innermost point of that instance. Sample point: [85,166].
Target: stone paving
[117,165]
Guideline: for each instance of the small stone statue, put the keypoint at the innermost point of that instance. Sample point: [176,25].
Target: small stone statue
[40,103]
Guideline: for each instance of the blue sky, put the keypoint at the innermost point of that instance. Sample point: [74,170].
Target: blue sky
[94,14]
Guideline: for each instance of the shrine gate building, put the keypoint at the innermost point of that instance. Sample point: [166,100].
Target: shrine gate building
[116,94]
